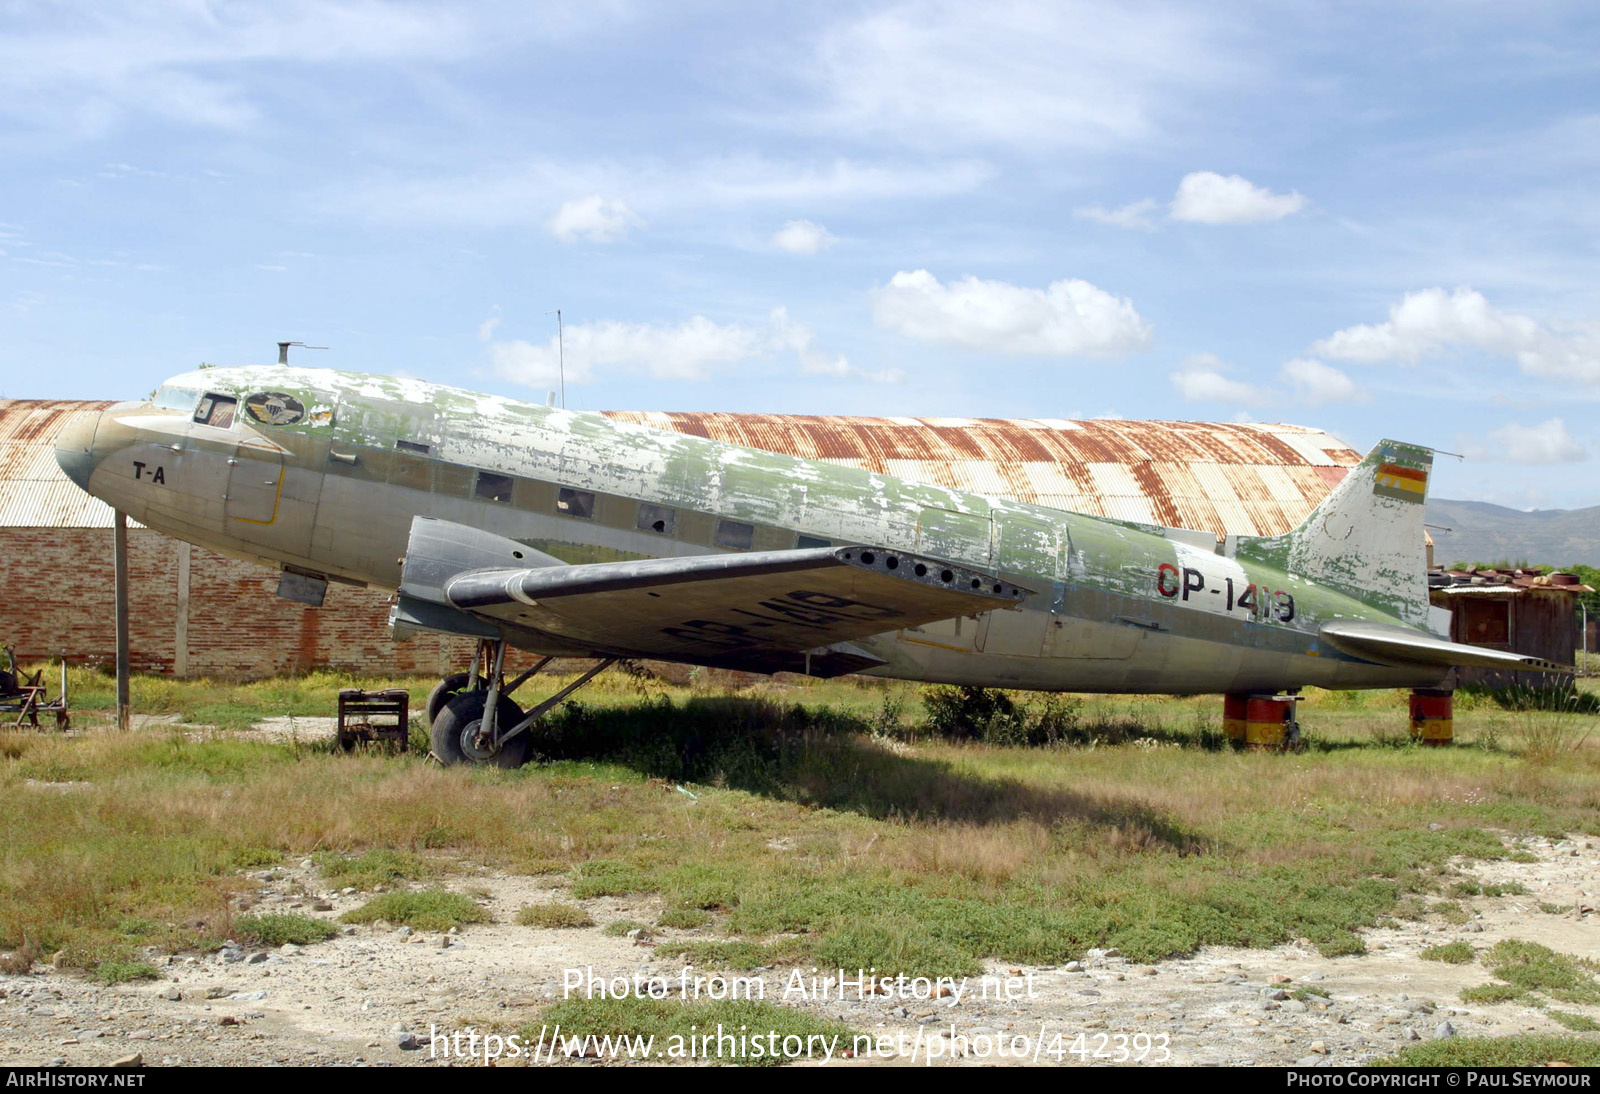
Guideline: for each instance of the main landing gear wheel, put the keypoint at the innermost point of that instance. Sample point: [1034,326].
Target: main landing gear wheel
[457,729]
[444,691]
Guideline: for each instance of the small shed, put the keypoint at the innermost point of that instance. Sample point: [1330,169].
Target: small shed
[1532,612]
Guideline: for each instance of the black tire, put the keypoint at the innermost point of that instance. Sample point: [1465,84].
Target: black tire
[456,729]
[444,691]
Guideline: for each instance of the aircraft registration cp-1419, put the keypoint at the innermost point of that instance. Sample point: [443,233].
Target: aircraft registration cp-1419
[568,534]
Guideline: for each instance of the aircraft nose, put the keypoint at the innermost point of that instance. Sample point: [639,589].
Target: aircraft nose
[75,449]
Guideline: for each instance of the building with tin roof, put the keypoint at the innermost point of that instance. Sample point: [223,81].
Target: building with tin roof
[198,612]
[1249,479]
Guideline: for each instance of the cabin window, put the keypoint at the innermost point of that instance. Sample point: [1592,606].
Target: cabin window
[492,487]
[274,408]
[575,503]
[217,410]
[657,518]
[731,533]
[812,541]
[413,447]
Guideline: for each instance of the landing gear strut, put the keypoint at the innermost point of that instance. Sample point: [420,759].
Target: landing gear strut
[472,715]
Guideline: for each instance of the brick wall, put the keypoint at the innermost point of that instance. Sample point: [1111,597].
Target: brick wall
[56,596]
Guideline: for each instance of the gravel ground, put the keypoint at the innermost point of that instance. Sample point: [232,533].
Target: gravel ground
[370,994]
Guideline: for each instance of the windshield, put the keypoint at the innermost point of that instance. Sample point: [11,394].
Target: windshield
[176,398]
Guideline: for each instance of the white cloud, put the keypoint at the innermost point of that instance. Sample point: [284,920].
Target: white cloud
[1314,382]
[1200,379]
[690,350]
[1010,73]
[507,194]
[1433,321]
[594,218]
[1068,317]
[1133,215]
[191,63]
[81,71]
[1428,322]
[695,349]
[1545,443]
[818,362]
[1209,198]
[1205,378]
[803,237]
[486,328]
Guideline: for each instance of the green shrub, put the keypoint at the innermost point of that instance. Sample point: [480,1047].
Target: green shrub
[276,929]
[372,869]
[427,910]
[554,916]
[1451,953]
[1496,1052]
[606,877]
[684,918]
[121,972]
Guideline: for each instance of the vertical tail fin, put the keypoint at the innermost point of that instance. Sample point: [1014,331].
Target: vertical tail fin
[1366,538]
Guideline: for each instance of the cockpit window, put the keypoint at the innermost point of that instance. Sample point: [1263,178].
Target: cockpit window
[274,408]
[176,398]
[217,410]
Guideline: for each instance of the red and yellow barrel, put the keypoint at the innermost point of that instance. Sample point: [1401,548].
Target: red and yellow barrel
[1234,712]
[1432,720]
[1265,722]
[1256,721]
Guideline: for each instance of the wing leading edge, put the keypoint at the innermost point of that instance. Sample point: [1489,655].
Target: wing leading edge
[765,610]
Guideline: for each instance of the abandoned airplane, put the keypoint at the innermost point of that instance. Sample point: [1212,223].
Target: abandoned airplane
[568,534]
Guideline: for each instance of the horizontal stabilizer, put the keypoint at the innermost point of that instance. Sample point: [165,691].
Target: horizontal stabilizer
[1392,645]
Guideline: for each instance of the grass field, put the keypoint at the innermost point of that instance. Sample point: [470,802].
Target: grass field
[803,821]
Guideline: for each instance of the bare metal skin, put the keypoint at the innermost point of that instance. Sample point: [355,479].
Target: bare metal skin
[567,533]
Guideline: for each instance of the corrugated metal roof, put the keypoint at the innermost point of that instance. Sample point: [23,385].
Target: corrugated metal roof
[33,491]
[1232,478]
[1227,478]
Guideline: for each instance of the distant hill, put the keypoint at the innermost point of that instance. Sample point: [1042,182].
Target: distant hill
[1480,532]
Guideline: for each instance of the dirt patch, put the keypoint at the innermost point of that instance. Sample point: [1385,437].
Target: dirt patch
[361,996]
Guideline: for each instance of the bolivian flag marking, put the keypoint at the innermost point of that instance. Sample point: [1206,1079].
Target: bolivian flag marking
[1404,483]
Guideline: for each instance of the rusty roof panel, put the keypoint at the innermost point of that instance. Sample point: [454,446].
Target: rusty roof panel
[1202,514]
[1243,478]
[1051,478]
[1280,486]
[43,504]
[1114,479]
[1246,482]
[1236,514]
[929,471]
[1134,507]
[33,491]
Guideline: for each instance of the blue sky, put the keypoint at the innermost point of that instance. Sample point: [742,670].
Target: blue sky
[1379,219]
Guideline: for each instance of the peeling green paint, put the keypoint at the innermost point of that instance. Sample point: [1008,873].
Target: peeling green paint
[1120,606]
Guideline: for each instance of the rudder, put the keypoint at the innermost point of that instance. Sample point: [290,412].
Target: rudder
[1366,538]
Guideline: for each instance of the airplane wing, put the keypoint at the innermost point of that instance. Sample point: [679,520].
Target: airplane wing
[764,610]
[1393,645]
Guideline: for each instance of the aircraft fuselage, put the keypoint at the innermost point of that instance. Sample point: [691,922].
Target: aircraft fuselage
[323,472]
